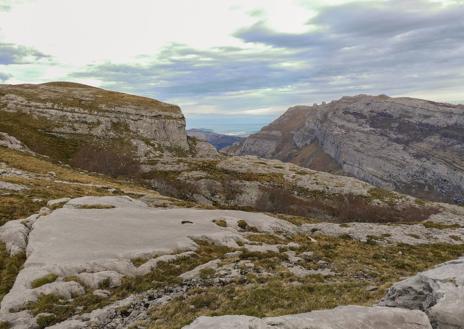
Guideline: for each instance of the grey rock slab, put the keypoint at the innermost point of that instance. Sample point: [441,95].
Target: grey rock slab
[14,234]
[345,317]
[409,234]
[12,187]
[439,292]
[73,240]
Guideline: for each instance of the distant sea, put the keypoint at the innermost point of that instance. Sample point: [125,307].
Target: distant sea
[229,125]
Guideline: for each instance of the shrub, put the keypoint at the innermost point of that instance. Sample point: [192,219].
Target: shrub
[9,268]
[220,222]
[49,278]
[44,321]
[106,161]
[5,325]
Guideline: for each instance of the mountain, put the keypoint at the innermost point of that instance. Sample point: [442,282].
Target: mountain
[219,141]
[410,145]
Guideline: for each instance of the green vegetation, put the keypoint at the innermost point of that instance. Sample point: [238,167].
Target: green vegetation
[9,268]
[165,274]
[44,321]
[220,222]
[389,197]
[43,187]
[358,266]
[207,273]
[440,226]
[96,206]
[244,226]
[4,325]
[49,278]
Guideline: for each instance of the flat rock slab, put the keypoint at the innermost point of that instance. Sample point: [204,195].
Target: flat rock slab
[99,234]
[345,317]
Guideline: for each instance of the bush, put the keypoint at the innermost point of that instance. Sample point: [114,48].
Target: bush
[106,161]
[341,208]
[44,321]
[9,268]
[49,278]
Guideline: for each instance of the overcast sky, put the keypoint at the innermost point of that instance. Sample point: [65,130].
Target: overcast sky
[240,58]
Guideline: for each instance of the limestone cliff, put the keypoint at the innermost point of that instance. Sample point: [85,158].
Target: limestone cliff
[411,145]
[61,119]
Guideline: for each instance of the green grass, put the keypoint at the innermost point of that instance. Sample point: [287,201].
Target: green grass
[49,278]
[165,274]
[378,265]
[4,325]
[440,226]
[9,269]
[220,222]
[17,205]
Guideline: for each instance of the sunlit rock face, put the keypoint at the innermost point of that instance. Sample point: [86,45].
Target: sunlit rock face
[411,145]
[59,119]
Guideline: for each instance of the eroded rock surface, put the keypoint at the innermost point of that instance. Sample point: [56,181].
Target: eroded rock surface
[412,145]
[67,117]
[348,317]
[439,292]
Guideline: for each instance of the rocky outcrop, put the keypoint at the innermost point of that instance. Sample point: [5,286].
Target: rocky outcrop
[411,145]
[439,292]
[348,317]
[248,182]
[60,119]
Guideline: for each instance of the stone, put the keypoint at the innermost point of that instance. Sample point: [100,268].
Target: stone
[13,143]
[96,243]
[12,187]
[14,234]
[439,292]
[57,202]
[345,317]
[196,272]
[96,280]
[101,293]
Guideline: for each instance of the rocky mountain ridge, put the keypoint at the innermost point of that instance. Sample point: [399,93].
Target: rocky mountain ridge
[411,145]
[62,119]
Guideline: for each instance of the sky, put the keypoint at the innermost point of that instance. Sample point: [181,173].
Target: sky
[234,65]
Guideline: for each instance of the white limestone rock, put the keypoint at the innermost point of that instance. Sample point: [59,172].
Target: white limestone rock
[439,292]
[345,317]
[14,234]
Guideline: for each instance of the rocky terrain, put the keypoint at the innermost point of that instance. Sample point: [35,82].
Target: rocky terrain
[411,145]
[219,141]
[231,241]
[71,122]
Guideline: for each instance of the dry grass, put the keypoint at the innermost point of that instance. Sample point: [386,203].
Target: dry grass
[65,182]
[9,268]
[358,266]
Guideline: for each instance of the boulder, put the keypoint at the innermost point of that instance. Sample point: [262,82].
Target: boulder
[345,317]
[439,292]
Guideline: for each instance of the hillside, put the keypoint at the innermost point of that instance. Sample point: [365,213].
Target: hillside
[185,237]
[411,145]
[84,125]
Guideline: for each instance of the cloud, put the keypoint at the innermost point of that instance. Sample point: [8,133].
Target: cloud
[14,54]
[393,47]
[6,5]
